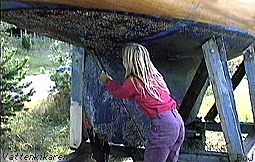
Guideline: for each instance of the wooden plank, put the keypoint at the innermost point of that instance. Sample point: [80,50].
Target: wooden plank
[249,63]
[251,154]
[223,58]
[197,105]
[236,79]
[194,10]
[192,95]
[76,97]
[213,111]
[137,153]
[1,75]
[249,145]
[213,126]
[223,100]
[202,156]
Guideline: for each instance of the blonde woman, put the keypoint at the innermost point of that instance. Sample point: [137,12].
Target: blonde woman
[147,87]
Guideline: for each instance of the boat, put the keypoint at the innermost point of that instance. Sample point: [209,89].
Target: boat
[173,31]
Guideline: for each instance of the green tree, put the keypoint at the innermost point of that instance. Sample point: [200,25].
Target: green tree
[12,71]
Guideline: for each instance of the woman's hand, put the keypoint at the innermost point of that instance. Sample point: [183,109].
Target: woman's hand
[105,78]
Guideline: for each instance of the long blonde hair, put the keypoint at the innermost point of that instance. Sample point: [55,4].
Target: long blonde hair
[136,61]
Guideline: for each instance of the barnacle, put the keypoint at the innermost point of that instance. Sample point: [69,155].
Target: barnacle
[103,32]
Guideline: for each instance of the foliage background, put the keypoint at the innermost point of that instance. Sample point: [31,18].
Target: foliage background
[44,126]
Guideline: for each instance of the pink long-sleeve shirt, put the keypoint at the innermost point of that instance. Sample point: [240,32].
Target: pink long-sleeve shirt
[150,106]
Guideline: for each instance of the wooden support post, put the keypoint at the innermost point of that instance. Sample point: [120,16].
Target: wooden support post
[21,34]
[120,151]
[249,62]
[249,145]
[236,79]
[221,89]
[1,75]
[189,109]
[213,126]
[1,48]
[76,97]
[223,58]
[197,105]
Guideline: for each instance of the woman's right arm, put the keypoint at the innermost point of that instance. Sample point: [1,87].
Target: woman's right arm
[124,91]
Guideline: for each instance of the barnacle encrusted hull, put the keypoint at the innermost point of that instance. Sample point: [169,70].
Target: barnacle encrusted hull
[174,44]
[94,30]
[229,13]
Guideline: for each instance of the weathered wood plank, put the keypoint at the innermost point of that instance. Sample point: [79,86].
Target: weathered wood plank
[187,109]
[197,105]
[1,48]
[223,99]
[236,79]
[202,156]
[249,144]
[1,75]
[249,62]
[251,154]
[223,58]
[137,154]
[76,97]
[213,126]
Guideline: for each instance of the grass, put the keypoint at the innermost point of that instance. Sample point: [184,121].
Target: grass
[45,126]
[215,140]
[242,99]
[241,95]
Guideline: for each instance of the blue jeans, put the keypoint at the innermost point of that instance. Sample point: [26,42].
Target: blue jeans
[165,138]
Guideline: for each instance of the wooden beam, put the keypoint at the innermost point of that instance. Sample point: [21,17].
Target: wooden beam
[191,96]
[197,105]
[120,151]
[249,145]
[249,62]
[76,97]
[220,85]
[1,76]
[213,126]
[223,58]
[236,79]
[202,156]
[2,41]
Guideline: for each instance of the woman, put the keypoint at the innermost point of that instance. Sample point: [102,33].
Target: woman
[147,87]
